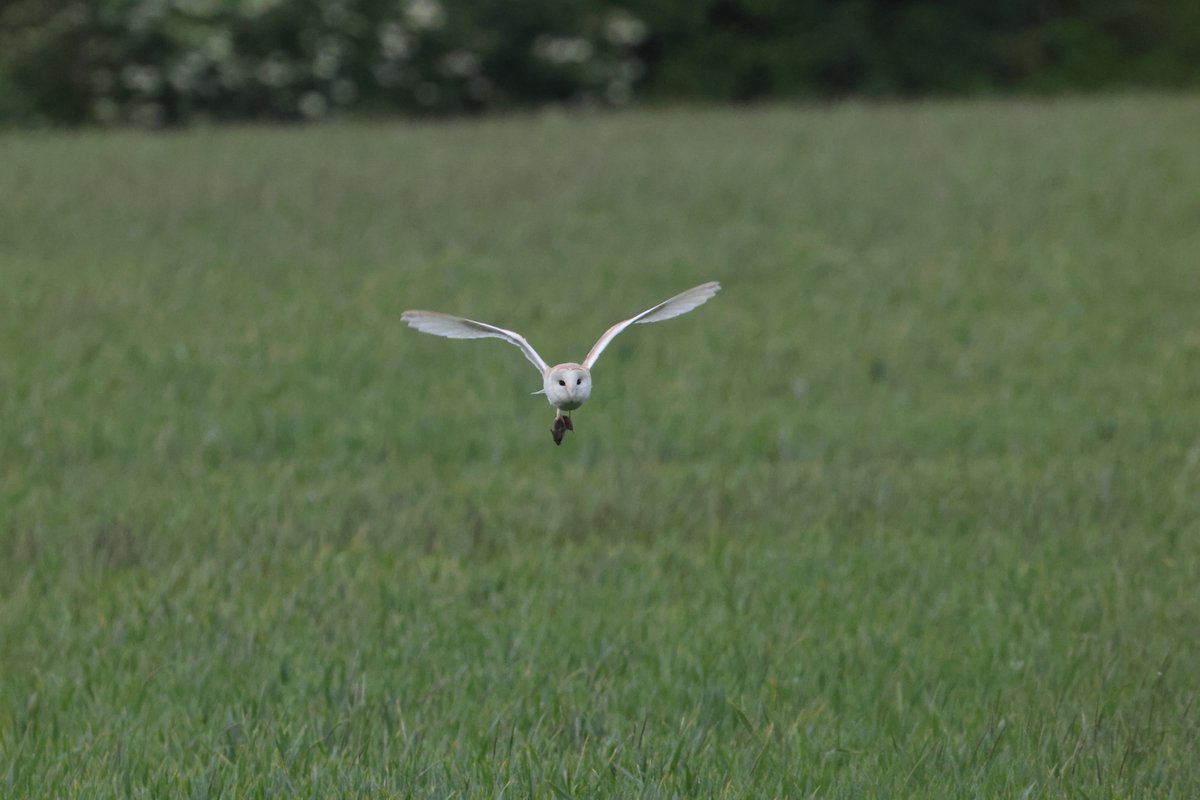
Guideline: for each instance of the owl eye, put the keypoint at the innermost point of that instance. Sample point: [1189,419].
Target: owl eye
[578,381]
[562,383]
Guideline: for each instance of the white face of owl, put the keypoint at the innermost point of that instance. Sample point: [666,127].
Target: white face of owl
[568,385]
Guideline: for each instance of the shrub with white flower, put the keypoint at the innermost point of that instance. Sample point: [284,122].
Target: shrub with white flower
[168,62]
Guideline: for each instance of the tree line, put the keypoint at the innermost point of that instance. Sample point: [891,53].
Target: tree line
[168,62]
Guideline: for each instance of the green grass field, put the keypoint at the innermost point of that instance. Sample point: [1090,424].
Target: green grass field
[911,509]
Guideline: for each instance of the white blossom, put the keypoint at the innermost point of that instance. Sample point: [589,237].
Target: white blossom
[424,14]
[183,73]
[563,49]
[624,29]
[313,105]
[141,78]
[328,58]
[460,63]
[393,41]
[219,46]
[274,72]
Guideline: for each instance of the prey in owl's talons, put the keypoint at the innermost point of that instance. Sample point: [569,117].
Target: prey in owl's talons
[561,426]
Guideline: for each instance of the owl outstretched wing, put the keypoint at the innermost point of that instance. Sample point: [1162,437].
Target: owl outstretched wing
[679,304]
[461,328]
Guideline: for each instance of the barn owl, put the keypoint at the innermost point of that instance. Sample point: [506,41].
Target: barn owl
[568,385]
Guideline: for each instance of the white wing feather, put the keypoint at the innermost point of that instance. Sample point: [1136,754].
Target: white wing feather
[462,328]
[679,304]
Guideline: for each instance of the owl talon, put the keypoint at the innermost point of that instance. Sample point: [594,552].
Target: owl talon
[568,423]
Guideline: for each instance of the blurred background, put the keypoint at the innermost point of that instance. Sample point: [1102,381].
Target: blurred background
[173,62]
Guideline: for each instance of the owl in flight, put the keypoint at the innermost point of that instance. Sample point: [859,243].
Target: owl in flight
[568,385]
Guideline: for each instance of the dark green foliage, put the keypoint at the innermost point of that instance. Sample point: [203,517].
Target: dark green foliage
[744,49]
[171,61]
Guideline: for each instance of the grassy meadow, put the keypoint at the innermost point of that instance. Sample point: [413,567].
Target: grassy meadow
[910,509]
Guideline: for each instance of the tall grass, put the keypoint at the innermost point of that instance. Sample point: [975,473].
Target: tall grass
[910,509]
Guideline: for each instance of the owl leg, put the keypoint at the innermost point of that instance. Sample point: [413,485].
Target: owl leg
[567,422]
[559,428]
